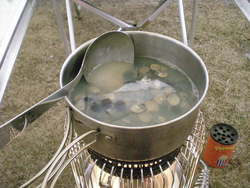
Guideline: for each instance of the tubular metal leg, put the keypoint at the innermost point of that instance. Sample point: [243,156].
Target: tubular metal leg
[158,10]
[103,14]
[193,24]
[77,11]
[70,24]
[183,24]
[123,24]
[60,23]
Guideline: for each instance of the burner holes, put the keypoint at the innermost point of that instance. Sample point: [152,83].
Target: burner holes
[219,140]
[221,128]
[214,135]
[226,142]
[223,138]
[228,129]
[224,131]
[232,140]
[232,134]
[216,130]
[218,133]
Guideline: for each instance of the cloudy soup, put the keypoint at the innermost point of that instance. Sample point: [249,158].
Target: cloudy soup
[146,93]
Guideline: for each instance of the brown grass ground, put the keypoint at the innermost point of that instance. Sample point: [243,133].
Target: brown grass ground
[222,39]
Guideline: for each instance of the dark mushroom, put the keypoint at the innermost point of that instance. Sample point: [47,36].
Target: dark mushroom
[95,107]
[120,105]
[106,103]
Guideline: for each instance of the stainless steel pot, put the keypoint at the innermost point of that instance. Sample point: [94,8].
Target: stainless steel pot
[150,142]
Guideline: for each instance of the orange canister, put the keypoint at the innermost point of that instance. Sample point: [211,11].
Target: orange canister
[220,145]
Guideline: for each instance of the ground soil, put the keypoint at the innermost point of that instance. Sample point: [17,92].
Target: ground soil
[222,40]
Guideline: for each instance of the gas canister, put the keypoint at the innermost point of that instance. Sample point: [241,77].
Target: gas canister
[220,145]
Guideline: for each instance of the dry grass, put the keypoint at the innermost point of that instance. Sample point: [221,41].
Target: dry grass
[222,39]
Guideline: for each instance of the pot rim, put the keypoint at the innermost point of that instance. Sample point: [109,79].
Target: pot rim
[85,44]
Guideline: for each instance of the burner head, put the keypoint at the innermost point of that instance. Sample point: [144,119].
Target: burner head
[135,170]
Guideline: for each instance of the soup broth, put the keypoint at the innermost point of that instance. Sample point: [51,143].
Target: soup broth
[146,93]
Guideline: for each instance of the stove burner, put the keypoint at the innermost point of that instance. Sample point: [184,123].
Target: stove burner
[135,170]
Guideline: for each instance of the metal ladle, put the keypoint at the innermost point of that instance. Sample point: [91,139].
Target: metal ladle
[112,46]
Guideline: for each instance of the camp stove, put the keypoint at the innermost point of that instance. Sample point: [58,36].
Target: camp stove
[177,169]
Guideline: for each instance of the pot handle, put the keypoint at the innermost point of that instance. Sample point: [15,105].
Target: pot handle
[66,138]
[64,152]
[28,116]
[76,147]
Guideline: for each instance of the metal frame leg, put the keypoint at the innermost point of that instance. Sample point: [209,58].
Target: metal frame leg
[77,11]
[70,24]
[103,14]
[60,23]
[193,24]
[182,21]
[158,10]
[125,26]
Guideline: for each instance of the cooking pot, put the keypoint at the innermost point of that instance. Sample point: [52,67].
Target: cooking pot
[149,142]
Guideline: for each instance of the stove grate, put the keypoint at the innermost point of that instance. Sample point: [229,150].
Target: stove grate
[123,168]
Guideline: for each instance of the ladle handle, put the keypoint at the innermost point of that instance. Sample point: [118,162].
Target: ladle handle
[20,121]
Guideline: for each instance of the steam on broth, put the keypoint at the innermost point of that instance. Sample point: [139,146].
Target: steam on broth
[146,93]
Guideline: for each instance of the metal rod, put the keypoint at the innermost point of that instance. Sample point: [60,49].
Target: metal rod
[182,21]
[193,23]
[60,23]
[77,177]
[77,11]
[172,174]
[90,173]
[164,177]
[103,14]
[66,133]
[70,25]
[205,180]
[68,162]
[155,13]
[62,153]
